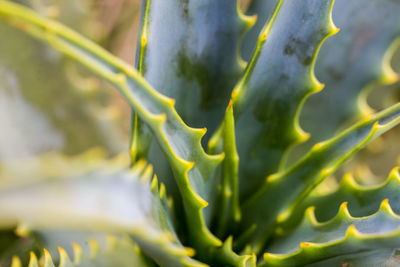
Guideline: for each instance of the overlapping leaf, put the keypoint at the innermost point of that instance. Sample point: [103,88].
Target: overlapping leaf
[266,103]
[277,80]
[192,167]
[351,60]
[313,241]
[121,251]
[11,244]
[380,257]
[107,199]
[263,9]
[227,214]
[188,50]
[362,200]
[298,181]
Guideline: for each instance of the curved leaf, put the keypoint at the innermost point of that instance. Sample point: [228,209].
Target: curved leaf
[199,64]
[108,199]
[362,200]
[343,234]
[353,59]
[263,9]
[228,213]
[298,181]
[101,258]
[192,167]
[188,50]
[280,75]
[380,257]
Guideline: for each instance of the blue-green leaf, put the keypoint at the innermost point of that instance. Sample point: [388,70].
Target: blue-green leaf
[362,200]
[278,78]
[110,199]
[298,181]
[357,56]
[313,241]
[192,167]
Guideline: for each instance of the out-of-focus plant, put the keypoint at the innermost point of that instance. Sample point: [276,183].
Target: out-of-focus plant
[230,198]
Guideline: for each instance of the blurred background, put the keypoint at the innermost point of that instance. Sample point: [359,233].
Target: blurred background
[47,101]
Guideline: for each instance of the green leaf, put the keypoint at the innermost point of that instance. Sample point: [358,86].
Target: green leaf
[350,61]
[298,181]
[121,252]
[92,248]
[362,200]
[12,244]
[277,80]
[108,199]
[228,213]
[313,241]
[263,9]
[188,51]
[33,262]
[192,167]
[53,165]
[379,257]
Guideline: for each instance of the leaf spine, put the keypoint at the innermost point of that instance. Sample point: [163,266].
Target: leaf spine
[47,259]
[310,215]
[16,262]
[32,260]
[77,253]
[162,193]
[93,247]
[352,232]
[154,184]
[385,206]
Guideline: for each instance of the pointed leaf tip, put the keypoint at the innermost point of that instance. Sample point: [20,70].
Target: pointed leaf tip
[16,262]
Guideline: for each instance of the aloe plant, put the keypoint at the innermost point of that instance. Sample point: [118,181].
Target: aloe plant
[229,197]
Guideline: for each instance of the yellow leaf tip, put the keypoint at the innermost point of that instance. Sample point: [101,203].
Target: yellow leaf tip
[171,101]
[250,20]
[46,252]
[61,250]
[304,244]
[283,216]
[263,36]
[15,262]
[395,170]
[234,94]
[352,230]
[317,146]
[77,252]
[190,252]
[230,105]
[335,29]
[385,205]
[190,165]
[32,259]
[143,41]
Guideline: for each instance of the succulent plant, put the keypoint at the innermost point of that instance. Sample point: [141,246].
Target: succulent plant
[231,197]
